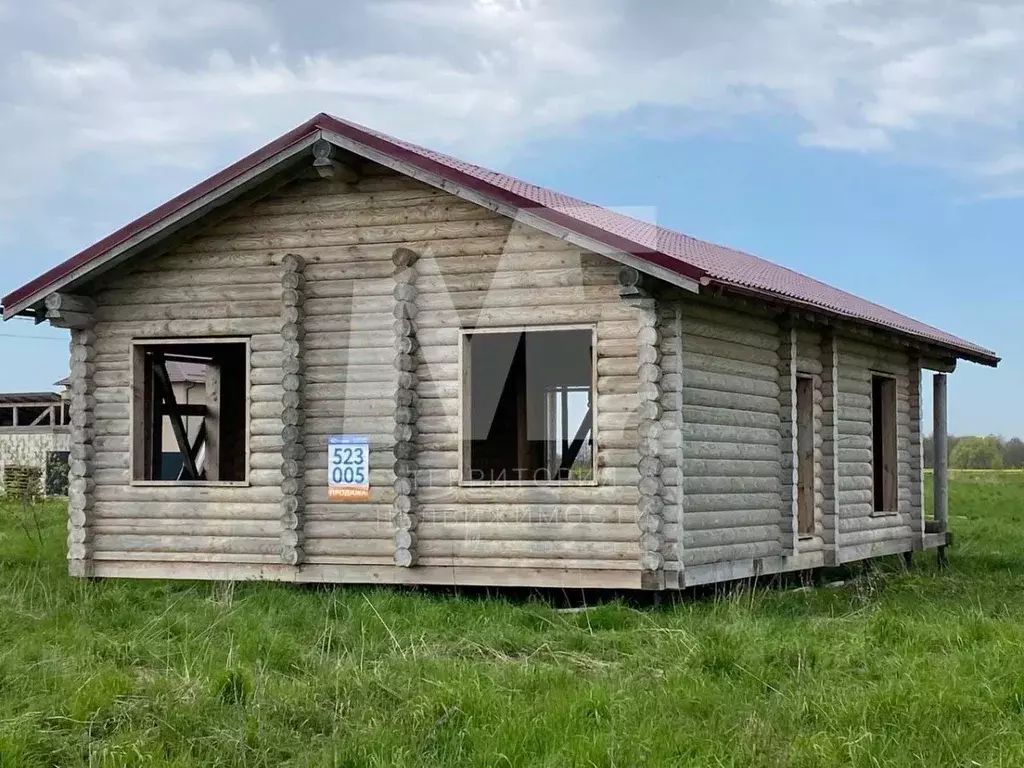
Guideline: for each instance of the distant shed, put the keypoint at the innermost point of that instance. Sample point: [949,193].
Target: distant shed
[419,371]
[34,436]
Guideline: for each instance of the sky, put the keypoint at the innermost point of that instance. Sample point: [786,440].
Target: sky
[873,144]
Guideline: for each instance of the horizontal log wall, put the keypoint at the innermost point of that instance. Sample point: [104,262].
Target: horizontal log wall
[476,269]
[858,523]
[178,295]
[720,436]
[523,279]
[728,422]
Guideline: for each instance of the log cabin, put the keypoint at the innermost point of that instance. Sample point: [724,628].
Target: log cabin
[420,371]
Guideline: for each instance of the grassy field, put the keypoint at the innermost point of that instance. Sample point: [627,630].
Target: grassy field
[892,668]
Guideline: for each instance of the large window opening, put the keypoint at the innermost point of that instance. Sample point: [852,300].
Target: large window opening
[190,411]
[883,444]
[528,406]
[805,455]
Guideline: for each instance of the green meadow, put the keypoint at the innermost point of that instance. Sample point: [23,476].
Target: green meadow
[875,666]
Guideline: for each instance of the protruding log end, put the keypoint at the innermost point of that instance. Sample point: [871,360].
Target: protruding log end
[293,486]
[292,555]
[404,450]
[650,486]
[404,258]
[293,263]
[651,561]
[405,558]
[404,522]
[629,277]
[328,167]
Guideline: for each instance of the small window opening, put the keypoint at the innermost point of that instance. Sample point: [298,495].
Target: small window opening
[805,455]
[883,444]
[528,406]
[35,416]
[190,412]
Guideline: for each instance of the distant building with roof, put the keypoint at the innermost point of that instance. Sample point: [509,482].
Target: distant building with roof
[35,428]
[35,436]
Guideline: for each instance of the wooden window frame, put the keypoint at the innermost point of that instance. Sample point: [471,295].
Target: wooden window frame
[894,444]
[136,388]
[464,405]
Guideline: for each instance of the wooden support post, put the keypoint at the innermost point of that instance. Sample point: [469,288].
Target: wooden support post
[293,415]
[650,507]
[405,510]
[83,432]
[941,477]
[212,419]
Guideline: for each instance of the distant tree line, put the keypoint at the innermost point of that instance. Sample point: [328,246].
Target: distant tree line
[992,452]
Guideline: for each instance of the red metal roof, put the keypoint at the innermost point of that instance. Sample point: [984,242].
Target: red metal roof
[687,256]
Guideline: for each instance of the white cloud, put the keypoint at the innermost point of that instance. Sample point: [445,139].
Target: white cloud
[130,86]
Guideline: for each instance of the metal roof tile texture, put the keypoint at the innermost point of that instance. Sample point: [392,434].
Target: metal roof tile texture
[722,264]
[688,256]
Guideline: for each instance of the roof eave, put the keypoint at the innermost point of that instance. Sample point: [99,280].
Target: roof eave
[982,357]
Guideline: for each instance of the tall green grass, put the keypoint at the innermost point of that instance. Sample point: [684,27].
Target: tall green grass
[891,668]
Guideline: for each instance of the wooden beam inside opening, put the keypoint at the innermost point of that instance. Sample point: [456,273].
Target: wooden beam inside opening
[186,410]
[212,419]
[574,448]
[165,391]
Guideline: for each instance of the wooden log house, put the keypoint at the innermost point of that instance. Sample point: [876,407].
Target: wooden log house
[419,371]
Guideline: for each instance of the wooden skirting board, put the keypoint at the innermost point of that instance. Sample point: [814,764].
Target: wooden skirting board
[332,574]
[567,578]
